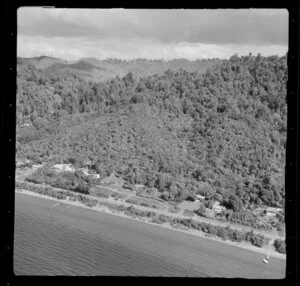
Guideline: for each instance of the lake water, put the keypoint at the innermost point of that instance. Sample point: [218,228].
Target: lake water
[75,241]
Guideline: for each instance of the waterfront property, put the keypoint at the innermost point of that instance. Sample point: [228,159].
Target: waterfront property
[85,171]
[217,208]
[199,197]
[273,211]
[63,167]
[23,163]
[113,181]
[95,176]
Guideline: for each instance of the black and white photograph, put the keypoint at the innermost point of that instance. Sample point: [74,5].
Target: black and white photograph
[151,142]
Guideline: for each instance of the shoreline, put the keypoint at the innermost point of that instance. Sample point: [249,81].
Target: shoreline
[105,209]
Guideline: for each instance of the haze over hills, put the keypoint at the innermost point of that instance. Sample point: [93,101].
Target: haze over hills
[41,62]
[101,70]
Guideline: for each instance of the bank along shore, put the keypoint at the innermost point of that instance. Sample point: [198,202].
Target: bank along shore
[104,208]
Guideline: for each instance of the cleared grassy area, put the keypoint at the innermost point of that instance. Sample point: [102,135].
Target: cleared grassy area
[190,206]
[118,195]
[100,192]
[145,202]
[188,213]
[174,209]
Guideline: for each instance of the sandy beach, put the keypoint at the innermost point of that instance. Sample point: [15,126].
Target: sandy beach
[101,208]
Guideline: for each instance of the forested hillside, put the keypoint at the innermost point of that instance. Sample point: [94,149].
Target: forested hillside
[221,133]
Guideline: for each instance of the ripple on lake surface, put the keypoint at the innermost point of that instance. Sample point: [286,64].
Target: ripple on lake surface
[77,241]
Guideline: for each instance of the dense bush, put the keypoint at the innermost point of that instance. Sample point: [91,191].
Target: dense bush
[201,211]
[81,188]
[221,133]
[64,180]
[135,212]
[91,203]
[279,245]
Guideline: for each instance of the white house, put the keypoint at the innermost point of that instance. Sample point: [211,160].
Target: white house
[84,171]
[271,214]
[22,163]
[63,167]
[200,197]
[95,176]
[273,211]
[217,208]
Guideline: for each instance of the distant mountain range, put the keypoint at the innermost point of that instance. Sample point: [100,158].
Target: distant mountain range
[101,70]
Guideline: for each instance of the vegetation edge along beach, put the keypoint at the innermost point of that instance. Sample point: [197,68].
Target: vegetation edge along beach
[227,235]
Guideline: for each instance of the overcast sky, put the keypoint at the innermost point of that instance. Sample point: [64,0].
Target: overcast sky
[157,34]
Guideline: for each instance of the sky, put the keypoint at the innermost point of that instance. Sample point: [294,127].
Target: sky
[71,34]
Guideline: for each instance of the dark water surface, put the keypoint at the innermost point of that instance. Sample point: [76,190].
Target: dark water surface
[75,241]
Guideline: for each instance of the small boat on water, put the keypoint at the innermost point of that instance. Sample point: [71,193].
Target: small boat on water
[266,260]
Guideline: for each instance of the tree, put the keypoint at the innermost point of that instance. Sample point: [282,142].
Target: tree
[180,195]
[97,167]
[202,210]
[161,181]
[128,79]
[81,188]
[218,197]
[280,245]
[235,203]
[39,123]
[209,204]
[258,201]
[190,198]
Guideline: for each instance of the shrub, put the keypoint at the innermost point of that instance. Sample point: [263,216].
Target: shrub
[211,229]
[238,236]
[280,245]
[279,227]
[118,195]
[121,208]
[143,203]
[133,200]
[221,232]
[155,219]
[151,214]
[82,188]
[91,203]
[163,219]
[20,185]
[190,198]
[201,211]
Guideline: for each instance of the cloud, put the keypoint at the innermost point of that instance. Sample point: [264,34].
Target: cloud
[251,26]
[75,48]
